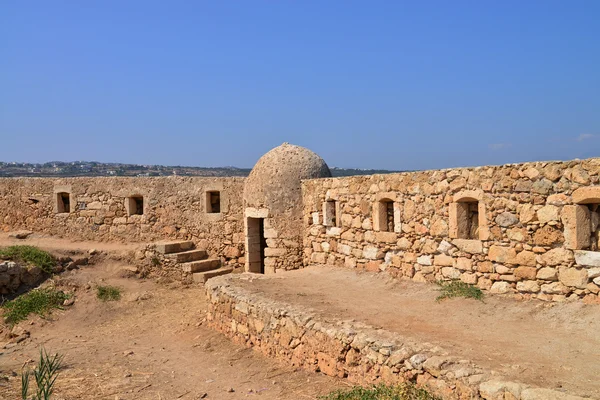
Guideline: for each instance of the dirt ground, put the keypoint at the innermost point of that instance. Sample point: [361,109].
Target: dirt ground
[152,344]
[544,344]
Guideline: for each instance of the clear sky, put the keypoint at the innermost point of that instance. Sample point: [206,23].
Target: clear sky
[369,84]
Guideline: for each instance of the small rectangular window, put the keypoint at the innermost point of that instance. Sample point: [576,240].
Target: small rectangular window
[213,202]
[63,202]
[330,213]
[467,220]
[135,205]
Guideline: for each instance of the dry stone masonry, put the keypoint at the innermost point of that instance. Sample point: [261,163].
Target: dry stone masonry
[528,228]
[349,349]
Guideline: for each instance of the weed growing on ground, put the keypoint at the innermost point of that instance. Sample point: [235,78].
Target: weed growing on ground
[30,255]
[405,391]
[458,289]
[38,301]
[108,293]
[45,375]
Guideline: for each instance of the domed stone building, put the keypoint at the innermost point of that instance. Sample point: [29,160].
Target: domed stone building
[273,207]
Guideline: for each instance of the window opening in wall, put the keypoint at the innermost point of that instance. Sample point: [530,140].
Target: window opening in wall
[467,220]
[213,202]
[330,215]
[63,202]
[136,205]
[473,215]
[594,226]
[389,209]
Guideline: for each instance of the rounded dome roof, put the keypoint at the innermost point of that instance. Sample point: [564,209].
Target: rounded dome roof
[274,182]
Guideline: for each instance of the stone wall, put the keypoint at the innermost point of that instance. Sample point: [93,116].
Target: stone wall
[532,225]
[13,275]
[348,349]
[100,208]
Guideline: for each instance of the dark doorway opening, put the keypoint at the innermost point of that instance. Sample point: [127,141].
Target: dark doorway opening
[256,245]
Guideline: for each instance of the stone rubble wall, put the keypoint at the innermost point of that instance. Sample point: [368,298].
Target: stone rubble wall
[174,208]
[13,275]
[526,227]
[353,350]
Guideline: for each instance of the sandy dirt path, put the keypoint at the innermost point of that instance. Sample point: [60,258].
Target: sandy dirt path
[151,344]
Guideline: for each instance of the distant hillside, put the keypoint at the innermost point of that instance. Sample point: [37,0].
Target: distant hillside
[92,168]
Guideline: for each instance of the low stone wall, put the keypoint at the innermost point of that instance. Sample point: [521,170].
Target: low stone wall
[534,231]
[13,275]
[100,209]
[349,349]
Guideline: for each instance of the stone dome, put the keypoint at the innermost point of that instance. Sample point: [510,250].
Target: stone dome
[275,180]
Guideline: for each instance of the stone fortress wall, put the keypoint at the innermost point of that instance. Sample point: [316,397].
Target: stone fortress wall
[130,209]
[525,228]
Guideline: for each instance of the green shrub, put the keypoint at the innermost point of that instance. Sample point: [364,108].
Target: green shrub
[458,289]
[31,255]
[108,293]
[405,391]
[38,301]
[45,376]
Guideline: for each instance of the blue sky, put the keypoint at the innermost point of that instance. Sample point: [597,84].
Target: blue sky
[370,84]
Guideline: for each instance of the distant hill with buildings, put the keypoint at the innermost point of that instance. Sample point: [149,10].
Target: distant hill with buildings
[92,168]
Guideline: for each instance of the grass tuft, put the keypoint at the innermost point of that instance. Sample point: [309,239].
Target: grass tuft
[405,391]
[30,255]
[45,376]
[38,301]
[108,293]
[458,289]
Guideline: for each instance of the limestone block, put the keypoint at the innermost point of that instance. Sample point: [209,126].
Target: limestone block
[557,256]
[404,244]
[548,236]
[344,249]
[573,277]
[528,286]
[577,222]
[527,214]
[506,219]
[547,214]
[587,258]
[386,237]
[554,288]
[443,260]
[485,266]
[372,253]
[526,272]
[450,273]
[547,274]
[469,246]
[542,186]
[494,390]
[424,260]
[464,264]
[593,273]
[500,287]
[502,254]
[559,199]
[526,258]
[469,278]
[587,195]
[439,228]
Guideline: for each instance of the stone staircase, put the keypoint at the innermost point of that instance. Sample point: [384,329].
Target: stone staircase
[192,260]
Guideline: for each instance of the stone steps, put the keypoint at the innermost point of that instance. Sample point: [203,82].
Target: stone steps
[187,256]
[174,246]
[201,266]
[191,260]
[202,277]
